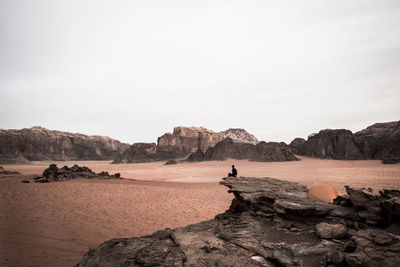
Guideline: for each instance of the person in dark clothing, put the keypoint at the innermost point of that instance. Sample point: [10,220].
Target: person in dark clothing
[233,173]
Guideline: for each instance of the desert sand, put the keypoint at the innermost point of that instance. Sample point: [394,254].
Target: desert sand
[55,224]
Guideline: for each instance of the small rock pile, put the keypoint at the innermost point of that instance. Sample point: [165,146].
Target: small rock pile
[272,223]
[53,174]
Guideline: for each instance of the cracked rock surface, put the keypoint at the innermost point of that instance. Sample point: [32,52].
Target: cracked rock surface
[272,223]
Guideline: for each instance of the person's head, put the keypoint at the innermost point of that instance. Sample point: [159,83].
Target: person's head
[233,166]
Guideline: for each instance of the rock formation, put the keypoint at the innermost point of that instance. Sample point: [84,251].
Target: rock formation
[54,174]
[379,141]
[262,151]
[182,142]
[271,223]
[38,143]
[332,144]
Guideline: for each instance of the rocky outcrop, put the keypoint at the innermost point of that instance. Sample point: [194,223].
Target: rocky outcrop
[262,151]
[182,142]
[186,140]
[270,223]
[54,174]
[38,143]
[379,141]
[332,144]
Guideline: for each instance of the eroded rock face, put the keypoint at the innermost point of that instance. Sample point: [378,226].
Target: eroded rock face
[55,174]
[270,223]
[186,140]
[181,143]
[38,143]
[332,144]
[262,151]
[379,141]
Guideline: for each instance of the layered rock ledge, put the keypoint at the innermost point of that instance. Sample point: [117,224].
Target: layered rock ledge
[272,223]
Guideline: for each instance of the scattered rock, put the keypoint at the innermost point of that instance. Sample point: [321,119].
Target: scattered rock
[257,231]
[53,174]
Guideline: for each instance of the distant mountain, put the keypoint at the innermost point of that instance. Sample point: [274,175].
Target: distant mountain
[182,142]
[378,141]
[38,143]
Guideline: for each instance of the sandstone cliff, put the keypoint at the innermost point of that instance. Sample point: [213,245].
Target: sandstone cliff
[262,151]
[379,141]
[333,144]
[38,143]
[272,223]
[182,142]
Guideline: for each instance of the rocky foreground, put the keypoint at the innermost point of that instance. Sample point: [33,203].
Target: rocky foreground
[272,223]
[55,174]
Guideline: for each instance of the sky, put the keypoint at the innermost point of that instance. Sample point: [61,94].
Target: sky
[133,70]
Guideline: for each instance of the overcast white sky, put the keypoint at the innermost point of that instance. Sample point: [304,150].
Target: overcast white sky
[133,70]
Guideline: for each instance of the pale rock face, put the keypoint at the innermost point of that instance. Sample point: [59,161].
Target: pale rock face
[240,135]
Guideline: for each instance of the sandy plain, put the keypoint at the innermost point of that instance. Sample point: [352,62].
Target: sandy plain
[55,224]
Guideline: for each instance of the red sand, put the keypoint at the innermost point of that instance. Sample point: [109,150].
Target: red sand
[55,224]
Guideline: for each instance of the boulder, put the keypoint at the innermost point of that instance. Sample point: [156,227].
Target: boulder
[330,230]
